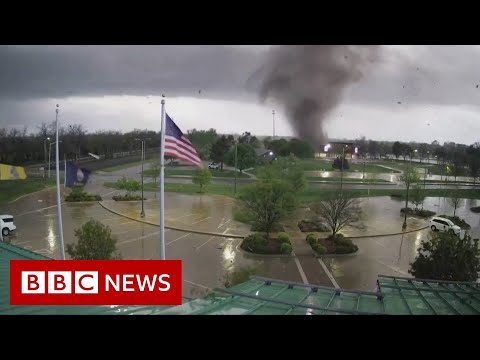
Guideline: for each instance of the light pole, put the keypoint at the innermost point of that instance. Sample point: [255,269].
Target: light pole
[341,173]
[49,155]
[235,183]
[273,118]
[142,213]
[407,184]
[45,157]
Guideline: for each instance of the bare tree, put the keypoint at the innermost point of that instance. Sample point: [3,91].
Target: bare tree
[338,211]
[455,200]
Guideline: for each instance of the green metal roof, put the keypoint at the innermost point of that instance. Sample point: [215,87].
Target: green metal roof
[263,296]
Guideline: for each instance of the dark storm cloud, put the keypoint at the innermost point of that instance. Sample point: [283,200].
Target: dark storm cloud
[423,75]
[28,72]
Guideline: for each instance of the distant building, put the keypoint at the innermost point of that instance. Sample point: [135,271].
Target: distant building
[335,148]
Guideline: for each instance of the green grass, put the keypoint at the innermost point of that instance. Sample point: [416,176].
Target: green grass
[128,165]
[191,172]
[345,179]
[319,165]
[311,194]
[12,189]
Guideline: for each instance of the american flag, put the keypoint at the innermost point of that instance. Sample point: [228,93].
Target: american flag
[178,146]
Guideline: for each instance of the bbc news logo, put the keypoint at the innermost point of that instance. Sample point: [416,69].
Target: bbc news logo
[95,282]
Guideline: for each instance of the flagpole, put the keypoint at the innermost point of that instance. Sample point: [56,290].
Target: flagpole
[162,187]
[59,205]
[65,170]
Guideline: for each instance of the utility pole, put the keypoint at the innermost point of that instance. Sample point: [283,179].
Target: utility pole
[235,186]
[341,173]
[273,117]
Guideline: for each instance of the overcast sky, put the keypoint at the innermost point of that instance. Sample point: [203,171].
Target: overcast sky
[417,93]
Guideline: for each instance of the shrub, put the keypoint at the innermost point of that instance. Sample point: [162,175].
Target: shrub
[282,237]
[457,221]
[286,248]
[345,249]
[260,227]
[255,243]
[78,195]
[418,212]
[319,249]
[95,242]
[312,239]
[127,197]
[308,226]
[475,209]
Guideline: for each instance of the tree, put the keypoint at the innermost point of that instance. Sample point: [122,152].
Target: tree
[130,186]
[285,169]
[409,177]
[454,200]
[248,138]
[417,196]
[246,157]
[337,164]
[220,149]
[95,242]
[338,211]
[269,202]
[473,160]
[301,149]
[202,141]
[154,171]
[372,148]
[447,257]
[397,149]
[202,177]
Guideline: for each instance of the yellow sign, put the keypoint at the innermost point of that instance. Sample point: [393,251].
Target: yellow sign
[9,172]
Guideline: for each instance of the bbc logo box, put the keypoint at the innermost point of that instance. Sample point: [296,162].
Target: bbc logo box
[95,282]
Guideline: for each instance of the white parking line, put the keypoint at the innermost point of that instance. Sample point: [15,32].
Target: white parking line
[141,237]
[199,221]
[206,242]
[225,223]
[329,274]
[181,237]
[300,270]
[183,216]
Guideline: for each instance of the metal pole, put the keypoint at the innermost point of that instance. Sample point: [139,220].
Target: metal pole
[162,186]
[142,214]
[45,159]
[407,184]
[235,188]
[363,174]
[59,205]
[341,174]
[65,170]
[273,116]
[49,155]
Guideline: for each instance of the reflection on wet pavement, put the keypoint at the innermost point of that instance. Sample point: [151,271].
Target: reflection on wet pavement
[207,260]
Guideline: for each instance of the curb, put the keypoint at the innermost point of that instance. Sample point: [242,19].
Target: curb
[263,255]
[171,227]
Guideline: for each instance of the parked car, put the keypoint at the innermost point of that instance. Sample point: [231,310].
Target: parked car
[213,166]
[443,224]
[7,225]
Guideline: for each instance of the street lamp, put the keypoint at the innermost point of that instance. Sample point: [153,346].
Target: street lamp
[235,183]
[407,184]
[45,157]
[142,213]
[341,173]
[273,118]
[49,155]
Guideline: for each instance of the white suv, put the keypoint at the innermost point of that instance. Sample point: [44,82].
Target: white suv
[442,224]
[6,224]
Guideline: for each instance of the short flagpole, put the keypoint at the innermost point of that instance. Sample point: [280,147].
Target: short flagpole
[59,205]
[162,187]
